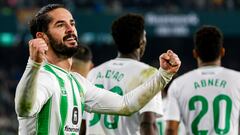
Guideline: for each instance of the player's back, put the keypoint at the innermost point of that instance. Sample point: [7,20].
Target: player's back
[208,99]
[119,75]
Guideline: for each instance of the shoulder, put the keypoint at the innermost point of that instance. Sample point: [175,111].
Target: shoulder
[45,74]
[185,76]
[78,76]
[100,67]
[231,74]
[231,71]
[94,71]
[148,70]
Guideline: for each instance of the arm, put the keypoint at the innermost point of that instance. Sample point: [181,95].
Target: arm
[173,113]
[25,97]
[103,101]
[148,124]
[26,92]
[83,127]
[172,127]
[83,124]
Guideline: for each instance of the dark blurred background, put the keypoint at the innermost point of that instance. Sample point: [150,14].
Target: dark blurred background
[170,24]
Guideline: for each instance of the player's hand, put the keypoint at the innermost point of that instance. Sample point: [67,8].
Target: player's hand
[37,49]
[170,62]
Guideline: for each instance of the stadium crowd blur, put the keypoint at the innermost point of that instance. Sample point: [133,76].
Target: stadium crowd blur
[13,59]
[100,5]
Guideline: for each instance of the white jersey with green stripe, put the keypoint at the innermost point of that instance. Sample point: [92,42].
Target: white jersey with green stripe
[161,122]
[207,100]
[60,103]
[50,100]
[120,76]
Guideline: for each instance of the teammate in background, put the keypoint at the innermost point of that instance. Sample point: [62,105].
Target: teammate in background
[82,61]
[50,98]
[161,122]
[206,99]
[82,64]
[120,76]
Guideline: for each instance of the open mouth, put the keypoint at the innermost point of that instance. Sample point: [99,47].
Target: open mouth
[71,38]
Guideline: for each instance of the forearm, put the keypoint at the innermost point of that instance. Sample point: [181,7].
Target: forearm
[148,128]
[171,132]
[137,98]
[111,103]
[148,124]
[26,90]
[171,127]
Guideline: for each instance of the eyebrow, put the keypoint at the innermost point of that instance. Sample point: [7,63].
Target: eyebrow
[61,21]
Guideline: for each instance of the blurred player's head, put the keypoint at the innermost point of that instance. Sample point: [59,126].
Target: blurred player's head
[55,24]
[129,34]
[208,44]
[82,60]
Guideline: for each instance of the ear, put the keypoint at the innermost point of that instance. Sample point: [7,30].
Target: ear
[92,65]
[195,54]
[222,52]
[141,44]
[39,34]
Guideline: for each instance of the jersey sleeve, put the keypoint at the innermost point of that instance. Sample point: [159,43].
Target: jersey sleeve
[104,101]
[32,91]
[172,107]
[155,104]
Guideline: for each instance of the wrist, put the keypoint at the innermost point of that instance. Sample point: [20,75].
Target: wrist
[34,63]
[165,74]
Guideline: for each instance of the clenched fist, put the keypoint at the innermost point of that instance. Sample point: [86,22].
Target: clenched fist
[37,49]
[170,62]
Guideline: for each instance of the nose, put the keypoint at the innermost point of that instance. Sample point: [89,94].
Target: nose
[70,28]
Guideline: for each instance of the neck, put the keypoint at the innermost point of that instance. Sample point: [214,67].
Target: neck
[212,63]
[64,63]
[134,56]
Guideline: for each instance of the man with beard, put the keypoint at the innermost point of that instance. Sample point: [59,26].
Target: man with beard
[50,98]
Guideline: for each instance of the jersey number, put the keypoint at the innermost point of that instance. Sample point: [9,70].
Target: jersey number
[160,125]
[97,116]
[216,113]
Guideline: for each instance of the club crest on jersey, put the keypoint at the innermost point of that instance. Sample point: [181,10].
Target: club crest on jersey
[63,91]
[75,115]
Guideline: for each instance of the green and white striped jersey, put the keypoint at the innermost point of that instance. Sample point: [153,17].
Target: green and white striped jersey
[59,105]
[120,76]
[50,100]
[207,100]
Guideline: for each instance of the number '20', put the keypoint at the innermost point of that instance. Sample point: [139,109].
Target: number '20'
[216,113]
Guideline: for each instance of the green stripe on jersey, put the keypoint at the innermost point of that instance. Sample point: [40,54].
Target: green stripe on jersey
[43,119]
[80,89]
[63,99]
[73,93]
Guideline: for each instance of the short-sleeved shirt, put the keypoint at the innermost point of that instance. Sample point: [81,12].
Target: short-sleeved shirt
[207,100]
[121,75]
[161,122]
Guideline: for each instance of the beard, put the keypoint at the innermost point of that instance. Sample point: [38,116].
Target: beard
[61,49]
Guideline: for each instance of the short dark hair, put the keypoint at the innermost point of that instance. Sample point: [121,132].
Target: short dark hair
[84,53]
[127,32]
[39,23]
[208,41]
